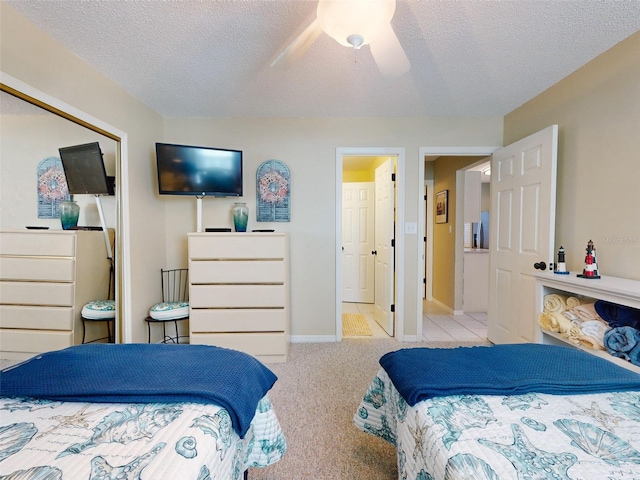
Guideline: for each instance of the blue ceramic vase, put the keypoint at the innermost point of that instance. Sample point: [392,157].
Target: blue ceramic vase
[69,212]
[240,213]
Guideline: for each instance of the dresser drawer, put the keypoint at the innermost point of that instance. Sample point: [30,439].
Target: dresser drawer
[240,245]
[38,244]
[34,341]
[256,344]
[237,320]
[36,293]
[45,269]
[237,271]
[28,317]
[237,296]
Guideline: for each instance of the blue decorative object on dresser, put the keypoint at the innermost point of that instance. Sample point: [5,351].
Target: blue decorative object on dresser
[69,213]
[240,213]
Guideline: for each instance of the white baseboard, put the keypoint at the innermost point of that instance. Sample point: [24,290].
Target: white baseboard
[313,338]
[332,339]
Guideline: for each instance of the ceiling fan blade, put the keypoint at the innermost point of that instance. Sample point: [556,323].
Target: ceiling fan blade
[299,46]
[388,53]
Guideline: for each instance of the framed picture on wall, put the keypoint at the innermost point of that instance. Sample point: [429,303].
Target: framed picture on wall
[442,206]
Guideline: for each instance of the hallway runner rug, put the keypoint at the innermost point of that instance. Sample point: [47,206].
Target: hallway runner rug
[355,325]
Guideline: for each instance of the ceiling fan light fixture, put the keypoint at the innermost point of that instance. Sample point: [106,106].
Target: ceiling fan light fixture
[357,20]
[355,40]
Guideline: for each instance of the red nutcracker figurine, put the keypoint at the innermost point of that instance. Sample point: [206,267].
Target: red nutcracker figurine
[590,263]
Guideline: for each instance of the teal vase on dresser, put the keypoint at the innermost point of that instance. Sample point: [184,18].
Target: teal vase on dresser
[69,212]
[240,213]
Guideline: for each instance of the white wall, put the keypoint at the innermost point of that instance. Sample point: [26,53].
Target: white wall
[308,147]
[597,109]
[158,225]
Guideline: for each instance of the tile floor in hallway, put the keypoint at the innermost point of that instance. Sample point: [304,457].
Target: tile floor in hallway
[438,323]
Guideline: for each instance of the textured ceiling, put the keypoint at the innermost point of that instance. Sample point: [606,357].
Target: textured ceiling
[212,58]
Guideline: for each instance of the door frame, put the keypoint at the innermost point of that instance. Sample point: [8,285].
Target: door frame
[427,233]
[399,153]
[436,152]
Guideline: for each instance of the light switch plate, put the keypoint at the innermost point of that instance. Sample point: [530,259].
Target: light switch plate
[411,228]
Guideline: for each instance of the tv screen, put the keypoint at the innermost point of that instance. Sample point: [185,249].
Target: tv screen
[200,171]
[84,169]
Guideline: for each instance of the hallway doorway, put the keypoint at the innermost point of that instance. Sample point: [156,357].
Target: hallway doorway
[388,285]
[426,248]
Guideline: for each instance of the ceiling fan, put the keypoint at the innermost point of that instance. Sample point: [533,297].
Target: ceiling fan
[353,23]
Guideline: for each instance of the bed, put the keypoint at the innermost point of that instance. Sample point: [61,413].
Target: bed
[505,412]
[137,411]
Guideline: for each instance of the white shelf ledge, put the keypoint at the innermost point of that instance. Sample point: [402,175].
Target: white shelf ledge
[621,291]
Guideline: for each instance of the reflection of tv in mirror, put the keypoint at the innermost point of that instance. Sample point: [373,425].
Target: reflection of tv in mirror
[199,171]
[84,168]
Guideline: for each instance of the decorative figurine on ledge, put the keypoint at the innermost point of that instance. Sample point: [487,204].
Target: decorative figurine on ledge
[561,266]
[590,263]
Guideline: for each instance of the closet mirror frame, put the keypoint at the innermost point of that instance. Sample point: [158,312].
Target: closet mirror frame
[25,92]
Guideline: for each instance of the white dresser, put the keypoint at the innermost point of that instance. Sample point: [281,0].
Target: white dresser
[239,292]
[621,291]
[46,277]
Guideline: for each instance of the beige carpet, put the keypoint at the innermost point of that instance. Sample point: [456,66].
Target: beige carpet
[355,325]
[315,398]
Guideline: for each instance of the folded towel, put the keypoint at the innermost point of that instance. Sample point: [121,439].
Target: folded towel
[547,322]
[575,320]
[634,355]
[573,302]
[620,341]
[554,302]
[565,327]
[618,315]
[589,342]
[585,312]
[595,329]
[572,316]
[575,339]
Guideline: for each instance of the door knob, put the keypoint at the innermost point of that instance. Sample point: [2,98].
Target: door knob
[540,266]
[374,252]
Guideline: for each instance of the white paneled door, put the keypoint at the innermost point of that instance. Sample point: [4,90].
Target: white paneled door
[384,256]
[523,204]
[358,244]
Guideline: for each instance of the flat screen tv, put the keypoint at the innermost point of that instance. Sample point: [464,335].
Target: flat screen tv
[84,168]
[199,171]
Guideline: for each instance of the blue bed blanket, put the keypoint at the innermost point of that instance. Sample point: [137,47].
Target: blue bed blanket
[145,373]
[422,373]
